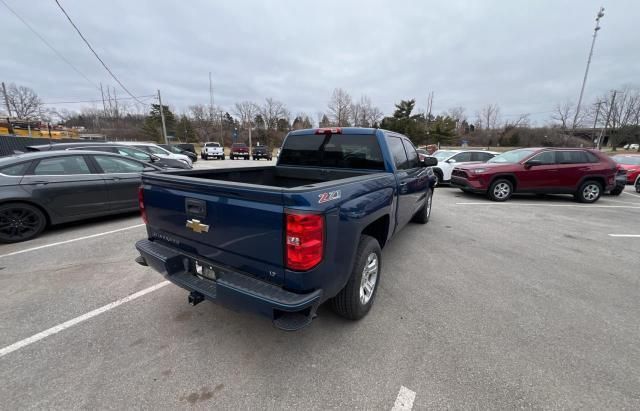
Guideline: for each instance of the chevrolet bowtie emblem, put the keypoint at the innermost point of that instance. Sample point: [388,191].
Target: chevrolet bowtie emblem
[197,226]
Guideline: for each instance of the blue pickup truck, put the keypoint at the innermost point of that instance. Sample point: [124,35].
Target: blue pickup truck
[281,240]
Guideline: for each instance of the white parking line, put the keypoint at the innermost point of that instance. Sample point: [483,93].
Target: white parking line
[70,241]
[625,235]
[549,205]
[631,194]
[60,327]
[404,400]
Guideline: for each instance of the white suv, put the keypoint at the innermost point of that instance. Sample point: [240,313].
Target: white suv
[212,150]
[448,159]
[158,151]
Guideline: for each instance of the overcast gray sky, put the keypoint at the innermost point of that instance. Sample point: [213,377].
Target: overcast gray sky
[525,56]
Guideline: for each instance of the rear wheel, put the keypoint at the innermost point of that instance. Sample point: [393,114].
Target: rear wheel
[20,222]
[356,298]
[422,216]
[438,173]
[589,192]
[500,190]
[638,185]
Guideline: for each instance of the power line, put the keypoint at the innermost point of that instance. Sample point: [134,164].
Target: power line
[99,101]
[96,54]
[63,58]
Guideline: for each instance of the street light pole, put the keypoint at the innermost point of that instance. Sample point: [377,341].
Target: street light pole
[586,71]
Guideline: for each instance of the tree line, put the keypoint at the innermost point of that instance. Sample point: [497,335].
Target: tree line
[270,120]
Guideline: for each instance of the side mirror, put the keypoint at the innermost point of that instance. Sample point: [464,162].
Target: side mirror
[429,162]
[154,158]
[451,161]
[532,163]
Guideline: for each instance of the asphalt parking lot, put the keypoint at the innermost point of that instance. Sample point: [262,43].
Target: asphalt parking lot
[531,303]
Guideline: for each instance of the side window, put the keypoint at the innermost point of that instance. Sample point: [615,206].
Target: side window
[592,158]
[398,153]
[462,157]
[571,157]
[118,165]
[16,170]
[155,150]
[483,157]
[140,155]
[412,154]
[548,157]
[62,166]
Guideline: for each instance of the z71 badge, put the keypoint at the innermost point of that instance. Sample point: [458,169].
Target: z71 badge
[330,196]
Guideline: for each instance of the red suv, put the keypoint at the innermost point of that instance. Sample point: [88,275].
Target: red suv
[584,173]
[630,163]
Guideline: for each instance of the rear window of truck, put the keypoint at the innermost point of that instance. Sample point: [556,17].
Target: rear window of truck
[333,150]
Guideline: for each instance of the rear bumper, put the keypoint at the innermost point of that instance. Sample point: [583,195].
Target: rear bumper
[232,288]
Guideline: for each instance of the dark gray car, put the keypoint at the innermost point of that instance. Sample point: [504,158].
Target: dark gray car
[48,188]
[126,151]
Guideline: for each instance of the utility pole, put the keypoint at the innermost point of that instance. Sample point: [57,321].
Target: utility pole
[606,123]
[104,105]
[6,98]
[586,71]
[595,122]
[164,127]
[213,125]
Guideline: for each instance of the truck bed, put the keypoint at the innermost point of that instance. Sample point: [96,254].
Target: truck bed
[273,176]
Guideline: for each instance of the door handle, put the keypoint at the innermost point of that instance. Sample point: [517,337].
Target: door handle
[116,178]
[41,182]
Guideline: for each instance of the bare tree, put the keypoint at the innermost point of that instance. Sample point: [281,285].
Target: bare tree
[625,112]
[246,111]
[356,114]
[374,117]
[521,120]
[271,111]
[340,107]
[24,102]
[457,113]
[488,116]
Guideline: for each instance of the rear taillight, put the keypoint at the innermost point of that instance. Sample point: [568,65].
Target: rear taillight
[329,130]
[143,211]
[304,241]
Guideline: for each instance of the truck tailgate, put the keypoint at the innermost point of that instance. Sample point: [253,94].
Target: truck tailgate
[244,224]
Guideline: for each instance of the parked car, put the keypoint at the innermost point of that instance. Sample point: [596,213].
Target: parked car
[52,187]
[126,151]
[259,152]
[212,150]
[239,150]
[177,150]
[281,240]
[422,153]
[631,163]
[187,147]
[631,146]
[448,159]
[158,151]
[621,181]
[582,172]
[637,184]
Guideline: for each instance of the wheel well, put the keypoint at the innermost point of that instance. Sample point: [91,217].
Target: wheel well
[46,215]
[379,230]
[594,178]
[511,178]
[438,171]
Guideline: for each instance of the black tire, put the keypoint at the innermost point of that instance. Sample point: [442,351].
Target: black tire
[20,222]
[348,302]
[617,190]
[589,192]
[439,177]
[500,190]
[422,216]
[638,186]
